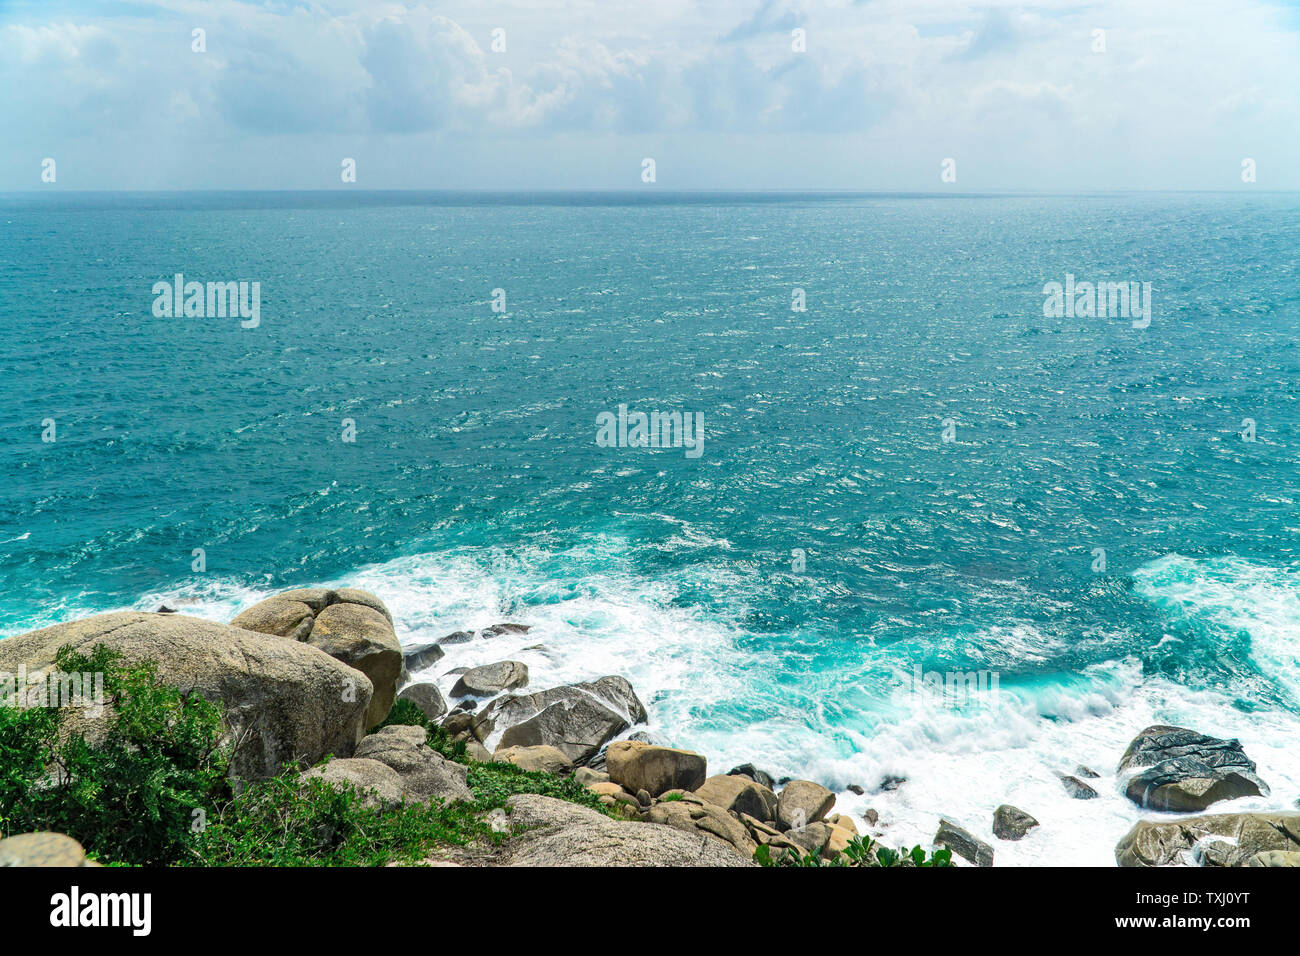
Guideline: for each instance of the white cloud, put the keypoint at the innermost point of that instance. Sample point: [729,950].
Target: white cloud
[888,81]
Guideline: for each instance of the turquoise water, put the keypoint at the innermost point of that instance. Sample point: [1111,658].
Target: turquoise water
[475,490]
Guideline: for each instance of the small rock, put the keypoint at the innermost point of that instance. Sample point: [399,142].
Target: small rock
[1086,772]
[496,630]
[1076,787]
[1011,823]
[41,849]
[427,697]
[962,843]
[753,773]
[586,776]
[871,816]
[491,679]
[855,789]
[422,655]
[541,759]
[457,637]
[891,783]
[162,609]
[476,751]
[457,722]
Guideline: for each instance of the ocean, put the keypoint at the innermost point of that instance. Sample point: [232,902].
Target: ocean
[919,473]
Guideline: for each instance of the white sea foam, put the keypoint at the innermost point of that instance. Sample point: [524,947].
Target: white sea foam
[714,688]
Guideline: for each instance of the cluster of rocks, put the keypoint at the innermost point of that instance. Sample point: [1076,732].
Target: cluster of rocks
[309,673]
[672,788]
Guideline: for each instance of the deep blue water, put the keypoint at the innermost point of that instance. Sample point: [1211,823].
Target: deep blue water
[475,489]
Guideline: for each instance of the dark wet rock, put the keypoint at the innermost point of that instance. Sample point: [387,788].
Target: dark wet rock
[890,783]
[855,789]
[164,609]
[457,637]
[1086,772]
[753,773]
[497,630]
[1011,823]
[1076,787]
[421,656]
[963,844]
[1177,769]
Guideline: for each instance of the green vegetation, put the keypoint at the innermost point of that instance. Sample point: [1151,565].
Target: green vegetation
[861,851]
[150,787]
[132,795]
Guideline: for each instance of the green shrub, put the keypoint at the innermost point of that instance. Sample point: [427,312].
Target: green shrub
[861,851]
[289,822]
[131,797]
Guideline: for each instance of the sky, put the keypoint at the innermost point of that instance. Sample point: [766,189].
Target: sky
[721,94]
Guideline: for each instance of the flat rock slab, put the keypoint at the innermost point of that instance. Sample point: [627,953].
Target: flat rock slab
[565,834]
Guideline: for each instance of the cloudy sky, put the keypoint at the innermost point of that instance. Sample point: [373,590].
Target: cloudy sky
[713,90]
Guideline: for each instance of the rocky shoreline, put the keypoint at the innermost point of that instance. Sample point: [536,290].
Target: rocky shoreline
[309,677]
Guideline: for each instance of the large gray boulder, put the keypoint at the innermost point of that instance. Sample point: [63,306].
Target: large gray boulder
[349,624]
[489,679]
[1216,839]
[1177,769]
[558,833]
[284,701]
[635,765]
[577,719]
[378,784]
[425,774]
[739,795]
